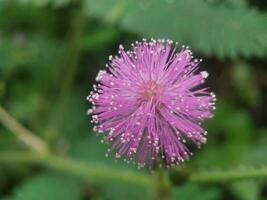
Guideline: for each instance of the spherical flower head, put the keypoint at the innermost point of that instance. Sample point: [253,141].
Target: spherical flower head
[149,103]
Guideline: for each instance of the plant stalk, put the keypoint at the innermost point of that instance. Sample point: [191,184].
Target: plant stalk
[25,135]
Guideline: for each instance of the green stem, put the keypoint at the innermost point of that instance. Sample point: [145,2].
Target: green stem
[162,185]
[68,165]
[69,64]
[26,136]
[96,172]
[227,176]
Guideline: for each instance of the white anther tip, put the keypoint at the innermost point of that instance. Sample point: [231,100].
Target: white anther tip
[204,74]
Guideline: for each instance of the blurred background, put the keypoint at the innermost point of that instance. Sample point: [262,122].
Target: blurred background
[51,51]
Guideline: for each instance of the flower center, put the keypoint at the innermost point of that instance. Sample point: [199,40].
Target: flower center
[152,89]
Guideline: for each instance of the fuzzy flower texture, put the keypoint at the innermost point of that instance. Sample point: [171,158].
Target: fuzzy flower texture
[148,103]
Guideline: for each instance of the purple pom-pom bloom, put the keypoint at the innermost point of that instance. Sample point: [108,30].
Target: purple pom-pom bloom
[148,103]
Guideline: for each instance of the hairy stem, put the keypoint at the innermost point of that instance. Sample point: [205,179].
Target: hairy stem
[162,185]
[229,175]
[96,172]
[74,167]
[26,136]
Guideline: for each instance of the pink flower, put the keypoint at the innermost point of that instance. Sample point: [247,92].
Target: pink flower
[148,103]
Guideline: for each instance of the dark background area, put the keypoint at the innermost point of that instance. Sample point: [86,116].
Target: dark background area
[51,51]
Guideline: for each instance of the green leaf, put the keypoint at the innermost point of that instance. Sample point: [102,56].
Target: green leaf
[99,39]
[257,153]
[192,191]
[25,103]
[90,150]
[47,186]
[210,29]
[7,198]
[236,3]
[246,190]
[245,84]
[41,3]
[18,18]
[7,140]
[119,191]
[2,88]
[229,137]
[22,49]
[229,3]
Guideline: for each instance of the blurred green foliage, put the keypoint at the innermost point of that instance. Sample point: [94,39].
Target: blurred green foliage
[51,50]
